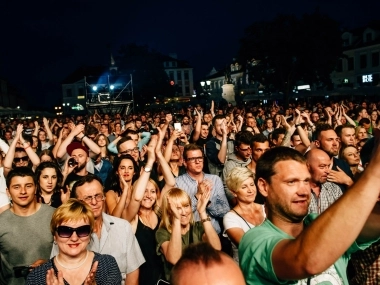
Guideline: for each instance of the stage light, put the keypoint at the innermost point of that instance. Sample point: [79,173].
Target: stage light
[112,87]
[94,88]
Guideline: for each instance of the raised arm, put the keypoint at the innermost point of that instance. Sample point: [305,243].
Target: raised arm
[58,144]
[197,130]
[48,131]
[118,208]
[8,159]
[222,154]
[316,247]
[75,130]
[172,249]
[29,151]
[140,185]
[210,234]
[36,128]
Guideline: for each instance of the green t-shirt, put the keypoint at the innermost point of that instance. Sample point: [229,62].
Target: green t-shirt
[163,235]
[255,255]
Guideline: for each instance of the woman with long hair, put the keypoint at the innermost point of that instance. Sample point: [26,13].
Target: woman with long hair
[246,214]
[351,155]
[49,182]
[118,195]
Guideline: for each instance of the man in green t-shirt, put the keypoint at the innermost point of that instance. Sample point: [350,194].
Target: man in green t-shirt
[292,247]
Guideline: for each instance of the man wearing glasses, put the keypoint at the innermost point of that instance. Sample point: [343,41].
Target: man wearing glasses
[25,237]
[195,181]
[111,235]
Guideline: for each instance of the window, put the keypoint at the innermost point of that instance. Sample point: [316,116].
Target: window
[186,74]
[179,75]
[69,92]
[375,59]
[350,63]
[80,91]
[363,61]
[171,75]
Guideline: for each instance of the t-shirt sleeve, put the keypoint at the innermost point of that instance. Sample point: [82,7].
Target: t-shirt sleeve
[162,235]
[231,220]
[255,256]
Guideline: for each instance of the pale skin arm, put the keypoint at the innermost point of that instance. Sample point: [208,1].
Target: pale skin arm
[197,130]
[210,234]
[222,154]
[349,120]
[8,159]
[235,235]
[36,128]
[289,131]
[29,151]
[115,208]
[58,144]
[132,278]
[141,183]
[75,130]
[172,249]
[48,131]
[169,145]
[315,249]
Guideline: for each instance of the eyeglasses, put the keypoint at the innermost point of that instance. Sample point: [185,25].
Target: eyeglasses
[128,151]
[97,197]
[193,159]
[19,159]
[92,137]
[66,232]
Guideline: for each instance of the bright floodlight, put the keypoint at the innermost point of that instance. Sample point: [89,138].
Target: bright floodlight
[94,88]
[208,82]
[203,83]
[112,87]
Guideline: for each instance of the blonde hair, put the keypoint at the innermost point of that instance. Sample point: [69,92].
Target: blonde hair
[178,196]
[72,210]
[237,176]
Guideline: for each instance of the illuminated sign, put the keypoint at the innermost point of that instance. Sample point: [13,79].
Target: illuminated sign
[303,87]
[367,78]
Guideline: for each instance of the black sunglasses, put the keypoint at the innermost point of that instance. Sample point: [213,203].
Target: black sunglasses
[19,159]
[66,232]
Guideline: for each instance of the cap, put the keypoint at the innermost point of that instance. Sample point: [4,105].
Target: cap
[75,145]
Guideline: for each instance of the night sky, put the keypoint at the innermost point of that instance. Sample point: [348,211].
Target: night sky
[44,41]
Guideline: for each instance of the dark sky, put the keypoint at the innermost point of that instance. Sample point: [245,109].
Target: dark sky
[43,41]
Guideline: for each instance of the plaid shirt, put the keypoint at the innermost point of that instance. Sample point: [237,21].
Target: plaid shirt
[367,266]
[330,192]
[219,205]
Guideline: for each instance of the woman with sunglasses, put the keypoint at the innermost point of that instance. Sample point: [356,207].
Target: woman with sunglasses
[20,153]
[49,182]
[72,225]
[125,172]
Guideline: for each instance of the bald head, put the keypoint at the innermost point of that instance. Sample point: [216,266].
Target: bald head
[318,163]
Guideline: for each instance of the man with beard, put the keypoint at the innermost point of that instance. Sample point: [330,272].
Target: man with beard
[77,170]
[323,193]
[328,141]
[294,247]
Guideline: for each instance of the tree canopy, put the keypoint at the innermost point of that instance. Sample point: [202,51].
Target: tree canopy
[292,50]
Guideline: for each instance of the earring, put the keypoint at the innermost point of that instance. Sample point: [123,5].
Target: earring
[55,242]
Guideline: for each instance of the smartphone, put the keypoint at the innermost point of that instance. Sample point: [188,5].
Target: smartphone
[21,271]
[177,126]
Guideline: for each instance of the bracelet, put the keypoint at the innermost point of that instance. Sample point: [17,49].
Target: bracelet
[208,219]
[298,125]
[27,146]
[81,139]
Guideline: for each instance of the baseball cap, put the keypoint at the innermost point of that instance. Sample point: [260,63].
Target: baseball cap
[75,145]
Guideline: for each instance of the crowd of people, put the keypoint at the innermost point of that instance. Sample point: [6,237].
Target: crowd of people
[252,194]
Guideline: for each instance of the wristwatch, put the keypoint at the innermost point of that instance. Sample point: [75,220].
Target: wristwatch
[147,169]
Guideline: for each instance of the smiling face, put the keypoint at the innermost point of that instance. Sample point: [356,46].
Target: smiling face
[22,190]
[74,245]
[247,191]
[150,196]
[288,192]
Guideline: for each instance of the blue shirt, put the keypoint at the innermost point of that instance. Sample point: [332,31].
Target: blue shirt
[219,205]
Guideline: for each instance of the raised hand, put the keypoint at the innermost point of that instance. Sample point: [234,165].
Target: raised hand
[51,279]
[168,118]
[173,207]
[203,200]
[90,279]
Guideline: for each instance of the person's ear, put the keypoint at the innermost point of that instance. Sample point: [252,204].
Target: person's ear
[317,143]
[263,187]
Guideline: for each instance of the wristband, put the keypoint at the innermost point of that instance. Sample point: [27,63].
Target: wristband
[27,146]
[83,137]
[299,125]
[208,219]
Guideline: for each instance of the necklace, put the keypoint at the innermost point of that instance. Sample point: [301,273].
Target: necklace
[72,268]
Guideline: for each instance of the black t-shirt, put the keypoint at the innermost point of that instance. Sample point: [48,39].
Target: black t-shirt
[73,177]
